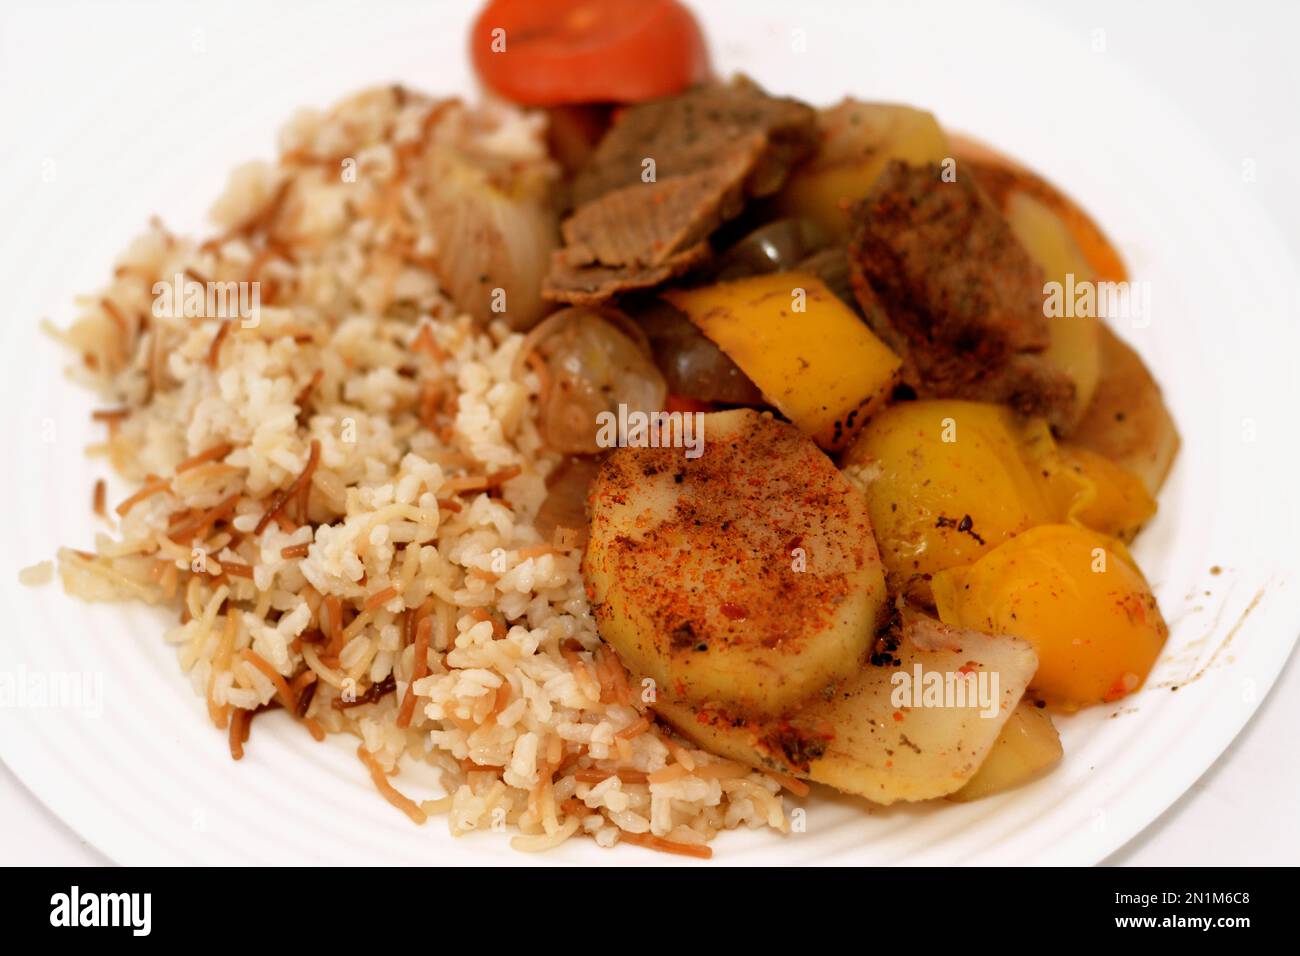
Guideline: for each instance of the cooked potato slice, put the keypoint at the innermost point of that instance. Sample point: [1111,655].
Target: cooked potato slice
[858,139]
[808,352]
[1127,420]
[1075,345]
[746,576]
[1077,597]
[1028,747]
[856,739]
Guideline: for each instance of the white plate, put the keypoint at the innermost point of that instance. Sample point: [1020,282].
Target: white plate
[148,780]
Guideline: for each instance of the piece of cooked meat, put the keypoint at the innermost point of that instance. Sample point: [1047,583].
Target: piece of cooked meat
[713,148]
[639,236]
[942,278]
[691,132]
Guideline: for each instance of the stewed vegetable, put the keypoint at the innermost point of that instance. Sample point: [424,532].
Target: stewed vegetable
[814,360]
[549,52]
[591,364]
[1077,597]
[745,576]
[692,364]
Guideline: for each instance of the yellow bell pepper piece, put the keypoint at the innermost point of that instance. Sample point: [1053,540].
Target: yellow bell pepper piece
[809,353]
[1077,597]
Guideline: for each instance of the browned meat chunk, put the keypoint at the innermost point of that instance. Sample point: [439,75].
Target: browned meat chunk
[941,277]
[712,149]
[639,236]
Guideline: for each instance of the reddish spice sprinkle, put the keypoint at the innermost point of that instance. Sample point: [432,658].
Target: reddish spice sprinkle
[733,611]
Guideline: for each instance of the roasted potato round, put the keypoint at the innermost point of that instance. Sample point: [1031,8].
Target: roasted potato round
[746,576]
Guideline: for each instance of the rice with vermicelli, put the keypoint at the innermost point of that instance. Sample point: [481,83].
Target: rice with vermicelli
[341,500]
